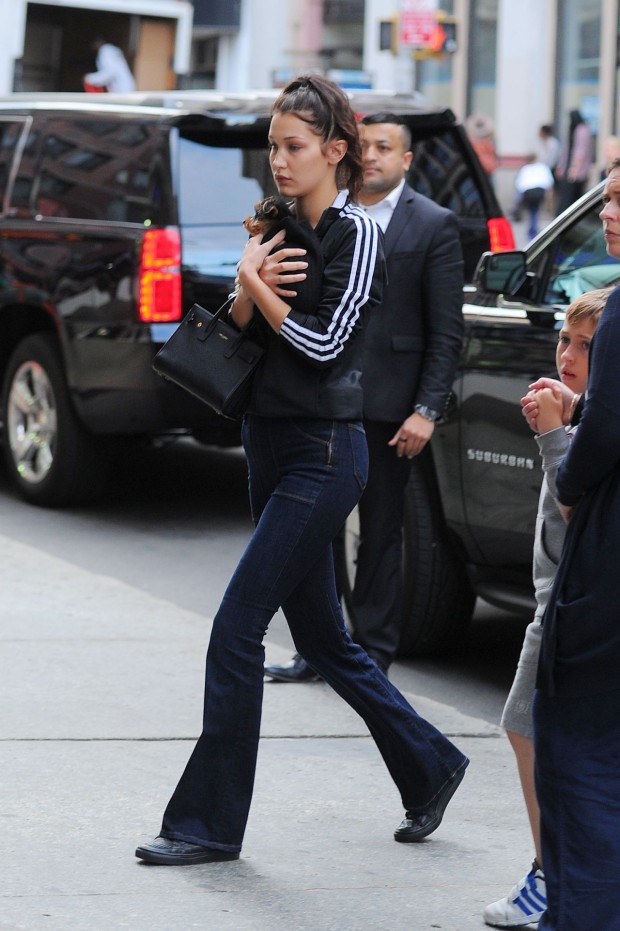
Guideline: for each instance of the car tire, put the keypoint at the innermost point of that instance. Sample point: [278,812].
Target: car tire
[438,601]
[438,598]
[52,461]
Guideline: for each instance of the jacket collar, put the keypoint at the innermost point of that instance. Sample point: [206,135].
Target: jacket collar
[400,218]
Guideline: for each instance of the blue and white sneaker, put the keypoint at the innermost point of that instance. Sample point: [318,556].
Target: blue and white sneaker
[524,905]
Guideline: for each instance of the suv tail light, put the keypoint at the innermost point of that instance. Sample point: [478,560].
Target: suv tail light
[160,276]
[500,234]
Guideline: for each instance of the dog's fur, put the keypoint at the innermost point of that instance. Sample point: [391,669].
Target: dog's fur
[267,213]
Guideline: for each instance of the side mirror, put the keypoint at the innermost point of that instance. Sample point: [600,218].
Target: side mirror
[500,272]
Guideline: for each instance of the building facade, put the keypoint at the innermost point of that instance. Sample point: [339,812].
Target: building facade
[520,62]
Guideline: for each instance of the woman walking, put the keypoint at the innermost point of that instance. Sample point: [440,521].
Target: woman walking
[307,462]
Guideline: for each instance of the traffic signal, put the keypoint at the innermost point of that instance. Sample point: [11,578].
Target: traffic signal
[388,35]
[443,39]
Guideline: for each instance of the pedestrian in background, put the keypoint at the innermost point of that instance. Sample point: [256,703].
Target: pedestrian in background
[548,148]
[481,134]
[307,461]
[533,181]
[548,152]
[113,73]
[411,350]
[573,168]
[547,408]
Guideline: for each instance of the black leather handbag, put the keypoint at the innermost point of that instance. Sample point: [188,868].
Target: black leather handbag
[211,359]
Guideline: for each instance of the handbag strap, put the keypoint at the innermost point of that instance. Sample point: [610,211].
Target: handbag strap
[230,300]
[219,315]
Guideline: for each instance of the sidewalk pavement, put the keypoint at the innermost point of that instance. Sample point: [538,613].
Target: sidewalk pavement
[520,228]
[102,703]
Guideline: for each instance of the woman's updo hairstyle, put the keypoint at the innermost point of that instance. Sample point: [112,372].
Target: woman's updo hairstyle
[325,107]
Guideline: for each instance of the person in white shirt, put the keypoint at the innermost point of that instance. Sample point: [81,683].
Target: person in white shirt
[533,181]
[112,72]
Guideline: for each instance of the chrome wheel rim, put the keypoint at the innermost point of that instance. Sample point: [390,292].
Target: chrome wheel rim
[32,422]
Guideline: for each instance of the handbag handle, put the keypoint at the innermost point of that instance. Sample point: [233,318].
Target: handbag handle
[218,315]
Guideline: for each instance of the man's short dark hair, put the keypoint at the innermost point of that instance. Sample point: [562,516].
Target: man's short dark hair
[384,116]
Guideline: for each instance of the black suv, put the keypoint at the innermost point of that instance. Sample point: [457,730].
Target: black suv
[117,215]
[473,503]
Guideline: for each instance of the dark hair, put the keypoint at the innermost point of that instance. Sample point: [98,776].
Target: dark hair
[386,117]
[326,108]
[547,129]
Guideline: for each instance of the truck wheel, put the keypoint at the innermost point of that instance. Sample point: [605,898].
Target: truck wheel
[51,459]
[438,599]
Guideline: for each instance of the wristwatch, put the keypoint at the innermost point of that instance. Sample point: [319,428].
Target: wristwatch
[427,412]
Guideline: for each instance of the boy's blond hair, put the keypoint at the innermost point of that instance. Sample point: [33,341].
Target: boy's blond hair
[588,306]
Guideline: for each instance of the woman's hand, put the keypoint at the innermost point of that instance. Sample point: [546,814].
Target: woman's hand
[278,272]
[253,256]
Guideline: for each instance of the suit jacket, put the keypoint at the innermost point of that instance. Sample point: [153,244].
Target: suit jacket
[413,340]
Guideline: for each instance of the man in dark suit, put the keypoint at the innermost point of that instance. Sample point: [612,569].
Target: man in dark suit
[412,345]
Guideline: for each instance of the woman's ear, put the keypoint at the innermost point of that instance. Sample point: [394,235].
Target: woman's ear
[336,151]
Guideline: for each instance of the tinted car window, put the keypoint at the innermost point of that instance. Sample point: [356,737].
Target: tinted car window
[219,185]
[211,214]
[10,133]
[580,261]
[93,170]
[439,171]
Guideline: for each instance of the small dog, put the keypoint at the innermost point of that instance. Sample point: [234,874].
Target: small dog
[267,213]
[274,213]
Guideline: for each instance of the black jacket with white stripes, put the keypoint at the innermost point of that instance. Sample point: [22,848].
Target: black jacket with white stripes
[312,367]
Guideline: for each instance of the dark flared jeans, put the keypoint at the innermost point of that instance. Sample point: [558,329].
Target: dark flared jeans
[305,477]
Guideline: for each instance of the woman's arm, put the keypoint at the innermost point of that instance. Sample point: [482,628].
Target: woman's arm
[353,277]
[252,258]
[262,277]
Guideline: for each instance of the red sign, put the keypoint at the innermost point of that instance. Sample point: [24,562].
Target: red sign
[416,29]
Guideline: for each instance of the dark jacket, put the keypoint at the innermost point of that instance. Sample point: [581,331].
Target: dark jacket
[312,368]
[581,627]
[413,341]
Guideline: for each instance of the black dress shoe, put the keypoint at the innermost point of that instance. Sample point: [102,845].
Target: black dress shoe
[418,825]
[179,853]
[295,671]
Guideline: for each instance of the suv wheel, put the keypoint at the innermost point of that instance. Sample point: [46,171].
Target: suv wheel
[51,459]
[438,599]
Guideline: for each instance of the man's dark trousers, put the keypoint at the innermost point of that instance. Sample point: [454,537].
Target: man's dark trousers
[377,597]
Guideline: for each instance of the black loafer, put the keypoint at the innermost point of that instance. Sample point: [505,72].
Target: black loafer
[297,670]
[179,853]
[418,825]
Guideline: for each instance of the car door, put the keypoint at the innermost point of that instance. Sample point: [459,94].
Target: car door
[510,341]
